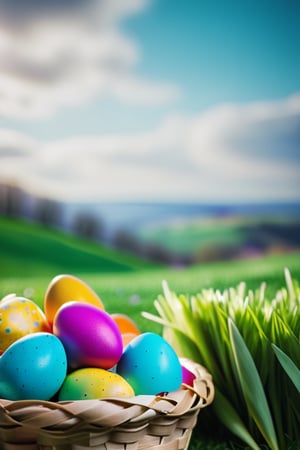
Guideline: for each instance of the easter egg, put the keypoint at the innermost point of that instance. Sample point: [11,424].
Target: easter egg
[125,324]
[89,334]
[8,297]
[127,337]
[66,288]
[33,367]
[90,383]
[188,375]
[19,316]
[150,365]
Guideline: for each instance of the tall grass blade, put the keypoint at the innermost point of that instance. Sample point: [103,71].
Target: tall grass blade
[289,283]
[156,319]
[252,388]
[288,366]
[231,419]
[185,347]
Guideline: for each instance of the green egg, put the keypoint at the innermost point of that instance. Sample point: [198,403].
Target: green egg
[92,383]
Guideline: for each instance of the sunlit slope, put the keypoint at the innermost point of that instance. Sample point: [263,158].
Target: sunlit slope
[28,249]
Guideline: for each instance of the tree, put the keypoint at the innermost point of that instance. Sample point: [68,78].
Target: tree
[11,200]
[125,241]
[88,226]
[48,212]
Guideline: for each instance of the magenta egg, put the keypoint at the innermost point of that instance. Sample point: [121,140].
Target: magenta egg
[90,336]
[188,375]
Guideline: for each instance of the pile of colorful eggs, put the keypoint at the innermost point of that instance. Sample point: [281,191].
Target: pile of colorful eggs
[75,350]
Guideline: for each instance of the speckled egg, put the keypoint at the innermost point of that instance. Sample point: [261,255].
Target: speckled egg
[33,367]
[19,316]
[150,365]
[92,383]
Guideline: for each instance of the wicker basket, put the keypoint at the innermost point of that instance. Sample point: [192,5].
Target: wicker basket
[162,422]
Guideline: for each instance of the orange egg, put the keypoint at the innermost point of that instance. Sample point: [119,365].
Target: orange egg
[66,288]
[125,324]
[127,337]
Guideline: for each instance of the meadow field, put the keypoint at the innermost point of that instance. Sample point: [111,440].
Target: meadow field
[30,256]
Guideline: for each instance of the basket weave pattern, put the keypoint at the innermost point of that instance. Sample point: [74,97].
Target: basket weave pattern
[163,422]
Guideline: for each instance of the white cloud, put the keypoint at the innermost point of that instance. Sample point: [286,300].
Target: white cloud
[60,54]
[14,144]
[209,156]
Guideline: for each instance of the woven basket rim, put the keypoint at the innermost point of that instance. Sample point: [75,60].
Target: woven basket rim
[158,422]
[201,394]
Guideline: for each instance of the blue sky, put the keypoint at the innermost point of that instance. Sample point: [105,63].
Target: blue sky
[151,100]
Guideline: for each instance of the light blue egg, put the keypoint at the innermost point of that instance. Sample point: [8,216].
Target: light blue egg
[150,365]
[33,367]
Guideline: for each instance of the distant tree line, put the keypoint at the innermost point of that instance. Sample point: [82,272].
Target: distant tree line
[259,238]
[17,203]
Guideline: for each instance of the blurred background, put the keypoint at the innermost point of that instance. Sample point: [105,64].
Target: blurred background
[165,129]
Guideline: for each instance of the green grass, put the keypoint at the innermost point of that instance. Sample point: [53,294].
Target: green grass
[36,250]
[31,256]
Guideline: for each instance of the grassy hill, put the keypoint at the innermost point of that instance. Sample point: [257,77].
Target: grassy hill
[27,248]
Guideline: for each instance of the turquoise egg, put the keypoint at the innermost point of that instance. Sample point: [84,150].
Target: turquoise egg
[150,365]
[33,367]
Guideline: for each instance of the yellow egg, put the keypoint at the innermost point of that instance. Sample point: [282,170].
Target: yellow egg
[8,297]
[66,288]
[91,383]
[19,316]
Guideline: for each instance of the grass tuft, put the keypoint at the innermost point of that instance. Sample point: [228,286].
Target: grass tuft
[250,344]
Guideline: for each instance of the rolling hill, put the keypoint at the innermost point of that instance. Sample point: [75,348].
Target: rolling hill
[34,249]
